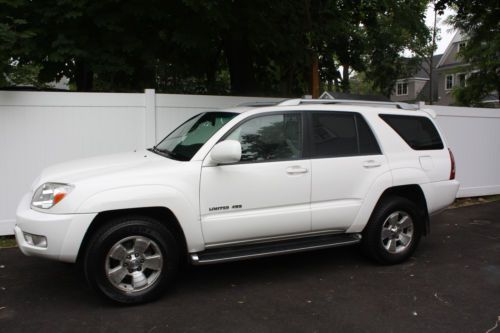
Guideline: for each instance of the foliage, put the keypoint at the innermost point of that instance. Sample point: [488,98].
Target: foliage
[369,37]
[13,35]
[479,20]
[7,241]
[362,86]
[424,56]
[214,46]
[393,27]
[24,75]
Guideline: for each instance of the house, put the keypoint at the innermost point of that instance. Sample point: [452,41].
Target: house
[417,87]
[357,97]
[453,71]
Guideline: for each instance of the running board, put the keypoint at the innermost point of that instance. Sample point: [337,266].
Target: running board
[243,252]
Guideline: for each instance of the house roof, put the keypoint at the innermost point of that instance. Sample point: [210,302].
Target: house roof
[358,97]
[423,69]
[457,38]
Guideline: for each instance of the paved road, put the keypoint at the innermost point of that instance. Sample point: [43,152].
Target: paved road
[451,285]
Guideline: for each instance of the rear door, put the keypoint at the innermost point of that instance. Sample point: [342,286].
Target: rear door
[345,160]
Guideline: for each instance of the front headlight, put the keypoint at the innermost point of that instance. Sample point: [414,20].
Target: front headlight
[49,194]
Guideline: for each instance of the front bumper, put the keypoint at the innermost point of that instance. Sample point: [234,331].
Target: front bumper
[64,232]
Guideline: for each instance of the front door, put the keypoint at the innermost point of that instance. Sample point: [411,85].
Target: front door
[267,193]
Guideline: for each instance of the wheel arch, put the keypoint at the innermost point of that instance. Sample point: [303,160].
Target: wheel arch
[414,193]
[163,214]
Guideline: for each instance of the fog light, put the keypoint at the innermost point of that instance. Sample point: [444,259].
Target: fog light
[35,240]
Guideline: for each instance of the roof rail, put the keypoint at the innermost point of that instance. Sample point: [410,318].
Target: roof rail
[261,103]
[298,101]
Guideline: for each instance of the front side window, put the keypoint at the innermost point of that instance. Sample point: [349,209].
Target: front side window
[270,138]
[183,143]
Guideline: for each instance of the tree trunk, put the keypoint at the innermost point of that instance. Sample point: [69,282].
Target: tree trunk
[345,78]
[84,76]
[240,66]
[314,75]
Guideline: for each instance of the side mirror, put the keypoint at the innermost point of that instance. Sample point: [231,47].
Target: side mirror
[226,152]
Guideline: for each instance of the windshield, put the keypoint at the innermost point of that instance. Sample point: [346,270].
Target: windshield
[188,138]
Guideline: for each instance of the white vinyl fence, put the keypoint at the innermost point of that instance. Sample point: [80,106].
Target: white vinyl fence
[38,129]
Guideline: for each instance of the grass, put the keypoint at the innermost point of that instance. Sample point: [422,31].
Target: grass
[7,241]
[10,241]
[464,202]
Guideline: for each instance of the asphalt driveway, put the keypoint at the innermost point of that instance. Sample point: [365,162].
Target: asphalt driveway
[451,285]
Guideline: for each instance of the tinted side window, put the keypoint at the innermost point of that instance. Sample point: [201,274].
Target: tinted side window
[268,138]
[367,143]
[336,134]
[333,135]
[418,132]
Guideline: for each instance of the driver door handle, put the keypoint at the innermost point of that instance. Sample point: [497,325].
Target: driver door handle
[296,169]
[371,164]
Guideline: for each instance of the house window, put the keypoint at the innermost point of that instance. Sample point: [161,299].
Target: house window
[402,89]
[461,80]
[461,45]
[448,83]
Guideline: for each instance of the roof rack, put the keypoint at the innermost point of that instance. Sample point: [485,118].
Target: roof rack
[298,101]
[262,103]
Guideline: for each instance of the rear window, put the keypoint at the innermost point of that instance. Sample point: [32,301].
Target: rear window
[418,132]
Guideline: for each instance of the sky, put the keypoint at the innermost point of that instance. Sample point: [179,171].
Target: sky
[446,32]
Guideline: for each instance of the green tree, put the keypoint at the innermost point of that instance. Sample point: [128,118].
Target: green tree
[369,37]
[214,46]
[392,27]
[479,20]
[13,36]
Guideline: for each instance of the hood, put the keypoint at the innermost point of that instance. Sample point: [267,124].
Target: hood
[96,167]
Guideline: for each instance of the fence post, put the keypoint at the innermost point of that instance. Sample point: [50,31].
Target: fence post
[150,118]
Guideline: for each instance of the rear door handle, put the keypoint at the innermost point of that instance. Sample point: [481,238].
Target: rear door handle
[371,164]
[296,169]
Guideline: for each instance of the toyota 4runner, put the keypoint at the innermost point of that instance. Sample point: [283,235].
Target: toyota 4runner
[242,183]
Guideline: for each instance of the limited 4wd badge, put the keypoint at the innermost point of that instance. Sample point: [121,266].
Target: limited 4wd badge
[211,209]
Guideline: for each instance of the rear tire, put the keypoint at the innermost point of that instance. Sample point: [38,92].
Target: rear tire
[131,259]
[393,231]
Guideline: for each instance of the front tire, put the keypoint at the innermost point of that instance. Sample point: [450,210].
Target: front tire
[393,231]
[131,260]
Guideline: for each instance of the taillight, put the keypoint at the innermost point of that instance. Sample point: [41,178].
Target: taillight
[452,158]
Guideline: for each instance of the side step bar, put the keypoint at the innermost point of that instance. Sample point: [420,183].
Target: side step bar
[243,252]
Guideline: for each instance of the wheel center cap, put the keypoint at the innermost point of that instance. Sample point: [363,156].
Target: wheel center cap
[133,262]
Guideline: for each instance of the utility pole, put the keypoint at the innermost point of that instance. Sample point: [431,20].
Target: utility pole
[431,60]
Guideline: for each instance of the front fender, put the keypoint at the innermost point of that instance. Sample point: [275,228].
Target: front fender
[143,196]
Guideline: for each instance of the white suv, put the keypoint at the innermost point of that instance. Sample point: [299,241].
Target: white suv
[244,183]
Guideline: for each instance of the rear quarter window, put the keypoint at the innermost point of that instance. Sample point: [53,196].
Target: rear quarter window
[418,132]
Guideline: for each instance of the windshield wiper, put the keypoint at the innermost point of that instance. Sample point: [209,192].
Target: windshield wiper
[162,152]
